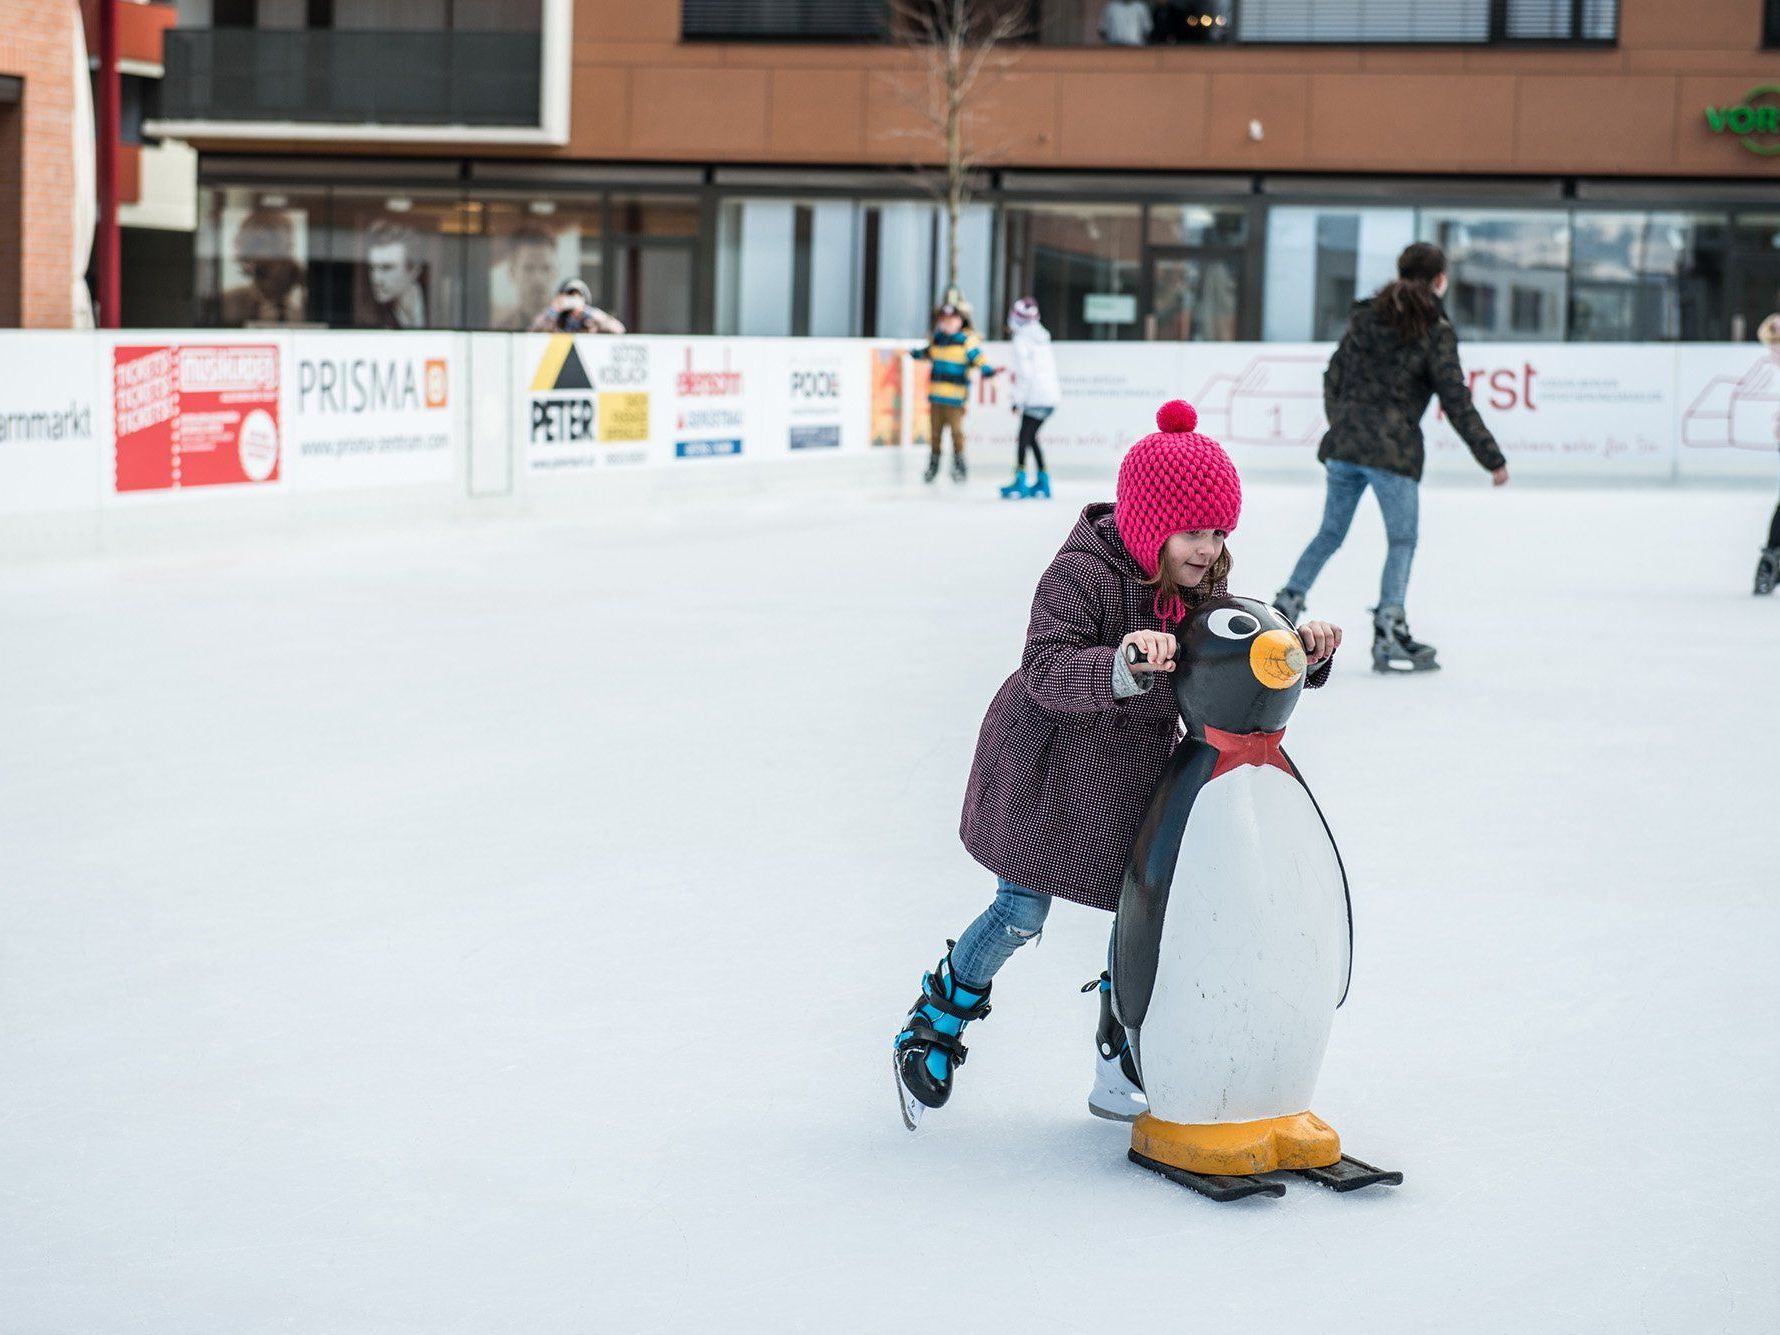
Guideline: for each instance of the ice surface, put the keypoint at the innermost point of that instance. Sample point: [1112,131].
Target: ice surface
[500,928]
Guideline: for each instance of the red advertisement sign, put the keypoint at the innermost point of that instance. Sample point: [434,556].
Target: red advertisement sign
[195,414]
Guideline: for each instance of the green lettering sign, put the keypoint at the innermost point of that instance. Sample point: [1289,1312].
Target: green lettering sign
[1750,118]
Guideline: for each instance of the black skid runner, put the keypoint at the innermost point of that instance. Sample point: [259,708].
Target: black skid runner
[1347,1175]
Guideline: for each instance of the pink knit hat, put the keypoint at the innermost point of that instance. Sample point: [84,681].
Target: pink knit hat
[1171,482]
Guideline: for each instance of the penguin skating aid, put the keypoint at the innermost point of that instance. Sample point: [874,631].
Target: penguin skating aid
[1233,943]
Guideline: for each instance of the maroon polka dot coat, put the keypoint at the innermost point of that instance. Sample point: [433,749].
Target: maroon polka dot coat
[1063,770]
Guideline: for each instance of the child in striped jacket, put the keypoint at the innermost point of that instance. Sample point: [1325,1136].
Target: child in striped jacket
[952,350]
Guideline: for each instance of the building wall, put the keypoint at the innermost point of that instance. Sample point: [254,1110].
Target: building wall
[37,271]
[1637,108]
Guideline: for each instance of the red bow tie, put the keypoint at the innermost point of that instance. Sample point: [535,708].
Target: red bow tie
[1246,748]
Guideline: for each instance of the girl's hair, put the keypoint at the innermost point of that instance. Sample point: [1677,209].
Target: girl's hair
[1168,593]
[1408,304]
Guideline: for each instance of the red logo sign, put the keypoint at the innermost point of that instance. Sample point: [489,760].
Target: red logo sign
[195,415]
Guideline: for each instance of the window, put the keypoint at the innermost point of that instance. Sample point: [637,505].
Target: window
[1427,21]
[253,254]
[1081,262]
[522,250]
[1556,20]
[812,20]
[1490,252]
[1770,28]
[1647,276]
[1320,261]
[789,267]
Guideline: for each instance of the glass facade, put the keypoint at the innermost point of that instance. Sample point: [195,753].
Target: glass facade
[704,259]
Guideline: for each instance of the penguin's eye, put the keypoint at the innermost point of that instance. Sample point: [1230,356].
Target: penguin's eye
[1229,624]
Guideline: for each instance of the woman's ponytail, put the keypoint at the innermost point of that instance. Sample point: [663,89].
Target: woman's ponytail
[1408,304]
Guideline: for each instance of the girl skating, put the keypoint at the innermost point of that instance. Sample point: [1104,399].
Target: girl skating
[1074,741]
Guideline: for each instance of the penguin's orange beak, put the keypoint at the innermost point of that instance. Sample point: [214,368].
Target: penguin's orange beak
[1277,659]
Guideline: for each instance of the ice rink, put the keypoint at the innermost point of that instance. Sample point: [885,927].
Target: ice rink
[500,927]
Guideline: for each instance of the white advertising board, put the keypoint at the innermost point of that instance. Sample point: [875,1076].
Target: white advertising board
[54,426]
[370,410]
[1727,398]
[587,402]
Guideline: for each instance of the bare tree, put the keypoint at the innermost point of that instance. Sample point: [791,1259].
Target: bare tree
[960,48]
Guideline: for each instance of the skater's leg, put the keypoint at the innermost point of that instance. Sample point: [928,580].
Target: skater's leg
[1773,526]
[955,419]
[1016,917]
[1399,501]
[1344,484]
[1028,442]
[955,991]
[936,425]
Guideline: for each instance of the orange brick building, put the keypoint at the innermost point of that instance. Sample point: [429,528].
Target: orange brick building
[37,163]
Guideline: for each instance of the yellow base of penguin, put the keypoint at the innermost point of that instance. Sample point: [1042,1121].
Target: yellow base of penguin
[1233,1149]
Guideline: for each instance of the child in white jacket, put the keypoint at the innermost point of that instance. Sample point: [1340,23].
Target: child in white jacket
[1036,394]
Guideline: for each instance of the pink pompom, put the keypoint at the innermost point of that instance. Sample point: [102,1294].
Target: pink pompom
[1177,415]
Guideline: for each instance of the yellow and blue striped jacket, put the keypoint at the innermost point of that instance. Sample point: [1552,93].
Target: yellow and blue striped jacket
[952,356]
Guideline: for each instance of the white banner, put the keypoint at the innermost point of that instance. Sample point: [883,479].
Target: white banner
[373,410]
[1728,401]
[54,428]
[589,401]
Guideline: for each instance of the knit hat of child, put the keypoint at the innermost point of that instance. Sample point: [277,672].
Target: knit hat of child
[1171,482]
[1023,311]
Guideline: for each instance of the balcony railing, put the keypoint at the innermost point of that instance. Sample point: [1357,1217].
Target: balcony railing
[384,78]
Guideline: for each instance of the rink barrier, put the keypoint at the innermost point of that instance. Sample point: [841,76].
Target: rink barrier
[143,430]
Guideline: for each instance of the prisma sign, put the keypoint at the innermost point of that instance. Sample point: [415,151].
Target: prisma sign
[1751,117]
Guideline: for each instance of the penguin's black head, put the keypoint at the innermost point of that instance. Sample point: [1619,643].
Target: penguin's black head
[1239,669]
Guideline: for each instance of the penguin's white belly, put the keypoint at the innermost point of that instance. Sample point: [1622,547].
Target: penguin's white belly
[1253,957]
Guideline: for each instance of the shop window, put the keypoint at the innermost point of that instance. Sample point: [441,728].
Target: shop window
[788,267]
[1320,261]
[523,250]
[1770,25]
[1647,276]
[392,260]
[255,255]
[1489,253]
[653,252]
[1082,263]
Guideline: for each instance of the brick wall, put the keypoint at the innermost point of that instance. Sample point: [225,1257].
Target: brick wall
[37,187]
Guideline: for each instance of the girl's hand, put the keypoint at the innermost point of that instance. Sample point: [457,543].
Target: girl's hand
[1321,639]
[1156,646]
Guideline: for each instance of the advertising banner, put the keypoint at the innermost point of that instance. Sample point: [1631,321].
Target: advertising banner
[589,401]
[1599,410]
[51,422]
[373,409]
[724,393]
[1728,397]
[825,402]
[195,414]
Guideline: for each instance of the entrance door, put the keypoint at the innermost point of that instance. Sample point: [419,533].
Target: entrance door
[1195,294]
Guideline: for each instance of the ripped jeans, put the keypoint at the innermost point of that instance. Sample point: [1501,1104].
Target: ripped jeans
[1016,917]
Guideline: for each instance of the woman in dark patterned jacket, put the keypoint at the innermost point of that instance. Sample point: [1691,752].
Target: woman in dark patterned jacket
[1399,351]
[1075,742]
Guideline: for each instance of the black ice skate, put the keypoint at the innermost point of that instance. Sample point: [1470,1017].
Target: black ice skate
[958,470]
[1290,605]
[927,1049]
[932,468]
[1394,649]
[1767,571]
[1118,1090]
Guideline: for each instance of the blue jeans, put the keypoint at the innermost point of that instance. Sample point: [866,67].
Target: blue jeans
[1016,917]
[1398,500]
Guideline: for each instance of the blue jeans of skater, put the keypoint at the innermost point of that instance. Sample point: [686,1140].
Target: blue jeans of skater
[1398,500]
[1016,917]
